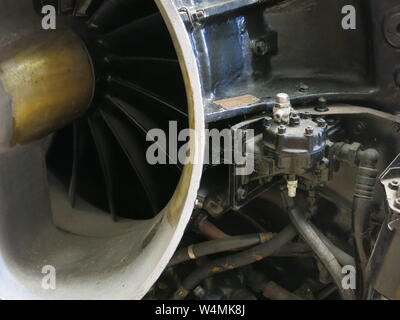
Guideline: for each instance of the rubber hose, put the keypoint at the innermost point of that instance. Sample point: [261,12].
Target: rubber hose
[238,260]
[216,246]
[320,249]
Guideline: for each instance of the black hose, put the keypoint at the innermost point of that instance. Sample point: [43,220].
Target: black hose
[274,291]
[241,259]
[362,202]
[318,246]
[259,283]
[363,198]
[216,246]
[342,257]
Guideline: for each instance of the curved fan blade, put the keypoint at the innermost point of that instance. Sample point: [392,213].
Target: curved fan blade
[135,151]
[100,136]
[75,164]
[141,121]
[148,60]
[135,89]
[126,194]
[161,76]
[84,8]
[114,13]
[147,36]
[137,67]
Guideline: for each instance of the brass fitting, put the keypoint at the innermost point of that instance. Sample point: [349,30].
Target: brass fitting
[46,81]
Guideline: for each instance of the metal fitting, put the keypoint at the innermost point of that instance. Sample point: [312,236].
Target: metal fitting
[322,105]
[394,184]
[292,188]
[281,129]
[294,119]
[267,121]
[309,130]
[397,203]
[321,123]
[282,108]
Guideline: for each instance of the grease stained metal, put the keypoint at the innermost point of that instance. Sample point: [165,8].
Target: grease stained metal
[236,102]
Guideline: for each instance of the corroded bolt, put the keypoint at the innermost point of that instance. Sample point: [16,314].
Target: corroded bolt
[309,130]
[281,129]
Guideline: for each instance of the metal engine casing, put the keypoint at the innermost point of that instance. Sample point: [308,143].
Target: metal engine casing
[297,147]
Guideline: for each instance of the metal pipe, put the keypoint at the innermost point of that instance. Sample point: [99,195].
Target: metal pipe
[238,260]
[318,246]
[211,231]
[342,257]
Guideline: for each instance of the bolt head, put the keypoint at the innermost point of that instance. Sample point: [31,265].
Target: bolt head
[397,203]
[321,123]
[198,203]
[322,105]
[267,121]
[198,16]
[282,98]
[309,130]
[294,119]
[281,129]
[394,184]
[260,47]
[304,88]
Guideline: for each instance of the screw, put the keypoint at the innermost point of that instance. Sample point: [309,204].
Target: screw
[294,119]
[281,129]
[397,203]
[309,130]
[304,88]
[394,185]
[260,47]
[321,122]
[267,121]
[198,16]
